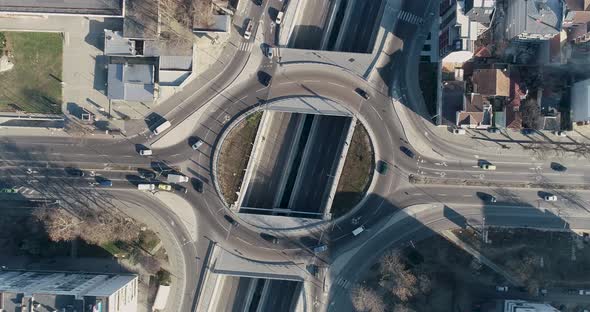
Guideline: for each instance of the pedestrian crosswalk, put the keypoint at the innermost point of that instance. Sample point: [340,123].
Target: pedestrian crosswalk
[245,46]
[410,18]
[23,190]
[343,283]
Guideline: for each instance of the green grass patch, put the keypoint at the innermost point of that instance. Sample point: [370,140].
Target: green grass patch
[163,277]
[34,84]
[356,173]
[148,240]
[117,249]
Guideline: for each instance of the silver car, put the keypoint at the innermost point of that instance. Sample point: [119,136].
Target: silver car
[197,145]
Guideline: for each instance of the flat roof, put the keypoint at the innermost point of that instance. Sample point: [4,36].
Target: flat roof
[77,7]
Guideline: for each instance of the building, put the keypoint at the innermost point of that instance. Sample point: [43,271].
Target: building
[577,20]
[94,8]
[220,24]
[458,32]
[67,291]
[477,112]
[480,10]
[533,19]
[580,101]
[131,82]
[525,306]
[491,82]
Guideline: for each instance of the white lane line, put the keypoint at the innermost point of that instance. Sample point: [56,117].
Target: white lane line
[442,194]
[311,81]
[376,112]
[467,195]
[260,89]
[286,83]
[336,84]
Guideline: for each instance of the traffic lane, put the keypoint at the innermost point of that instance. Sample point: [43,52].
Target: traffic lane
[272,164]
[568,201]
[182,256]
[281,296]
[317,172]
[310,29]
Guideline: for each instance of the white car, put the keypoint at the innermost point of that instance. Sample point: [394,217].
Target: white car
[459,131]
[197,145]
[145,152]
[560,133]
[279,17]
[248,31]
[550,198]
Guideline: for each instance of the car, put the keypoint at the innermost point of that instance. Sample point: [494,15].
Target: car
[197,185]
[560,133]
[164,187]
[248,30]
[105,183]
[558,167]
[407,151]
[257,2]
[502,288]
[362,93]
[270,238]
[197,144]
[180,188]
[527,131]
[488,167]
[382,167]
[493,199]
[268,51]
[9,191]
[459,131]
[320,249]
[279,18]
[264,78]
[145,152]
[493,130]
[146,174]
[550,198]
[74,172]
[231,221]
[358,230]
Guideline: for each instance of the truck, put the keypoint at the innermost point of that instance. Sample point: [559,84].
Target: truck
[165,125]
[176,178]
[146,187]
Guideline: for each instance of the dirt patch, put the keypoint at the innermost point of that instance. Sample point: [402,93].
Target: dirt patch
[356,173]
[234,155]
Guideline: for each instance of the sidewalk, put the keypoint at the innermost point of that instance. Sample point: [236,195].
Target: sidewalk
[451,237]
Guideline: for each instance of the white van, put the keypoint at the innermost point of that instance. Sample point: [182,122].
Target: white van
[145,152]
[161,128]
[358,230]
[248,31]
[279,17]
[146,187]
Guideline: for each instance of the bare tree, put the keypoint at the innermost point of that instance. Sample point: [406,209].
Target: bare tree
[402,308]
[531,114]
[365,299]
[393,269]
[59,224]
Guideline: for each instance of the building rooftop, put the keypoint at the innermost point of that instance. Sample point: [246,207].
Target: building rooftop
[131,82]
[529,19]
[77,7]
[116,44]
[491,82]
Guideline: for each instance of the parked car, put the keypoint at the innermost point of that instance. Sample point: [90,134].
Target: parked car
[558,167]
[560,133]
[459,131]
[550,198]
[502,288]
[493,199]
[362,93]
[9,191]
[164,187]
[488,167]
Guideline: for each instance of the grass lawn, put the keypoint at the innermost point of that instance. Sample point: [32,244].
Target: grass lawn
[356,173]
[34,84]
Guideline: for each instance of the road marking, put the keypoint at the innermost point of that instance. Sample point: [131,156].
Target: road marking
[467,195]
[442,194]
[376,112]
[336,84]
[260,89]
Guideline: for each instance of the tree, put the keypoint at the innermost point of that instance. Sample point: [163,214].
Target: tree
[404,282]
[59,224]
[402,308]
[365,299]
[531,114]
